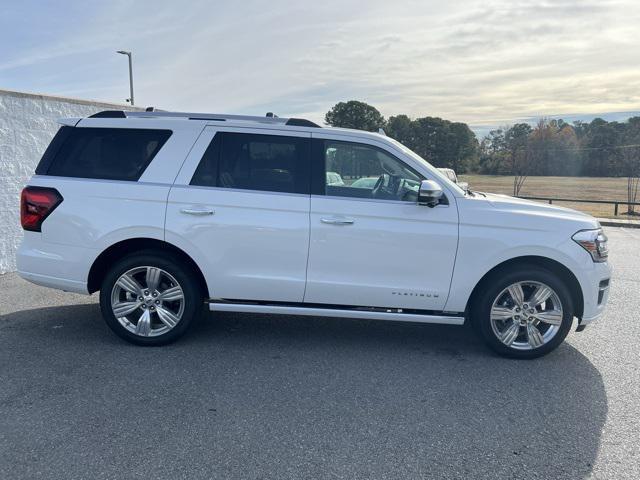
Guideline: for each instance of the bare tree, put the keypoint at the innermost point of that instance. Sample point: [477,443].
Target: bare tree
[631,166]
[632,194]
[518,169]
[516,139]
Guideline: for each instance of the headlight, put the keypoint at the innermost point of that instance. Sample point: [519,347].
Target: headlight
[594,242]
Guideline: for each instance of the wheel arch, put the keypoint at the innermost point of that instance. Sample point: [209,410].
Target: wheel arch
[554,266]
[120,249]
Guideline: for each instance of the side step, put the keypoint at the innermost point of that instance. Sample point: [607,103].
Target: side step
[373,314]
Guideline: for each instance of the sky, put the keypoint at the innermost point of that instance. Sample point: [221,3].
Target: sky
[485,62]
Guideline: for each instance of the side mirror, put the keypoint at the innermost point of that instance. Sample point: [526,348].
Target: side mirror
[430,193]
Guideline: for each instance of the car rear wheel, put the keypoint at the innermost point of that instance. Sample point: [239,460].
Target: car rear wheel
[523,312]
[150,298]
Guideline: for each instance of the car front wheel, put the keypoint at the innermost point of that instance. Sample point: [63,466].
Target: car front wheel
[524,312]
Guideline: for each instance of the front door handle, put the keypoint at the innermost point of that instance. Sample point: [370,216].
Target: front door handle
[198,211]
[337,221]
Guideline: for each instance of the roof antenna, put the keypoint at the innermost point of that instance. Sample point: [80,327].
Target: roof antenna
[271,115]
[382,132]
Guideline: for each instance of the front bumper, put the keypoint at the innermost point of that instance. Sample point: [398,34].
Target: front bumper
[595,289]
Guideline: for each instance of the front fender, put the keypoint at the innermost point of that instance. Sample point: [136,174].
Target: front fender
[477,256]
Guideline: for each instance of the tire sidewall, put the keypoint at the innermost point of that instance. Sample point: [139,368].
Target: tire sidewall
[193,297]
[496,284]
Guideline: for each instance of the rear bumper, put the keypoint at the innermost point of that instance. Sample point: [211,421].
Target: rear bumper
[54,265]
[55,282]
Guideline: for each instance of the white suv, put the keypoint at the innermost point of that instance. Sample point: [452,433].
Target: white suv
[162,212]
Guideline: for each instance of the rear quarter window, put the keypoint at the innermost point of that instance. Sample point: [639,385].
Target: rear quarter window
[103,153]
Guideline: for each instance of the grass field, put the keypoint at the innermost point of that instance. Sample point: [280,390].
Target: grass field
[586,188]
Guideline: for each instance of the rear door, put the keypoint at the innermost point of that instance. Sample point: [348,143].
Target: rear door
[240,207]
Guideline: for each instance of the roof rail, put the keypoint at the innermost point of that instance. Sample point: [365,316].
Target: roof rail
[272,120]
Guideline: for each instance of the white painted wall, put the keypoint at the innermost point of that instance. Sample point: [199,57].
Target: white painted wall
[27,125]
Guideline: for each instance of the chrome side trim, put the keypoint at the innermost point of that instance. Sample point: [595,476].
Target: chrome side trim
[241,190]
[372,200]
[331,312]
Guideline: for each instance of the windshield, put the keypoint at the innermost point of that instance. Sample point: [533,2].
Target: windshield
[434,171]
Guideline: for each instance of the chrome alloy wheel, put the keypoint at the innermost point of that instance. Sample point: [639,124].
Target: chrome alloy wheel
[526,315]
[147,301]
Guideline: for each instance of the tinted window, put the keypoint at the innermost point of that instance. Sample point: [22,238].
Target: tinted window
[255,162]
[106,153]
[364,171]
[206,175]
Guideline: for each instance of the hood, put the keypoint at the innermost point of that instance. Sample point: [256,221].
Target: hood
[529,208]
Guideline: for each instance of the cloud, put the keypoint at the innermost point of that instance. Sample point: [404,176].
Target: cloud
[480,62]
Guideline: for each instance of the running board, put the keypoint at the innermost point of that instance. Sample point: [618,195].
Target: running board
[335,312]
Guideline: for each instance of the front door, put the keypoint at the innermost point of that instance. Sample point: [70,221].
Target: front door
[371,243]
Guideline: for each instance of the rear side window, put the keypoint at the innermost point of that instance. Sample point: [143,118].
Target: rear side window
[104,153]
[270,163]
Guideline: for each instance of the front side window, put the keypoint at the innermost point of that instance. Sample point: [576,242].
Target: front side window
[103,153]
[364,171]
[255,162]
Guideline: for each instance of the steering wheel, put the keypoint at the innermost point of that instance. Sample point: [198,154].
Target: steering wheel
[409,195]
[378,186]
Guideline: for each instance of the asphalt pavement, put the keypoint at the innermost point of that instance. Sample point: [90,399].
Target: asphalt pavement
[282,397]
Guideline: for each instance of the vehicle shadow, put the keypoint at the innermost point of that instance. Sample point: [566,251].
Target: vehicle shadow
[301,396]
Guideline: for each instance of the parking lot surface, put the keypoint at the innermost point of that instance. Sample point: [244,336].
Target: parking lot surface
[270,397]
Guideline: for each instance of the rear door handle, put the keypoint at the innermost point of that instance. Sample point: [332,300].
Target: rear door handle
[198,211]
[337,221]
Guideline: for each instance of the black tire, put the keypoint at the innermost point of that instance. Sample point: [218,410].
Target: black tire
[193,296]
[492,287]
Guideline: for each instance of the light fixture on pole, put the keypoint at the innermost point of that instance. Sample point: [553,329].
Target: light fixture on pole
[128,54]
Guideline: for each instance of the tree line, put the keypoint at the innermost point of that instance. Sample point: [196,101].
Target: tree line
[555,147]
[551,147]
[441,142]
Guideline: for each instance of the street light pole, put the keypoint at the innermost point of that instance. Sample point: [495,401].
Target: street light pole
[128,54]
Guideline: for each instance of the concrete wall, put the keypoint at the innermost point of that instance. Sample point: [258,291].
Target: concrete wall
[27,125]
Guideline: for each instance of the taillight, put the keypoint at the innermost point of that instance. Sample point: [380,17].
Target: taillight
[36,204]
